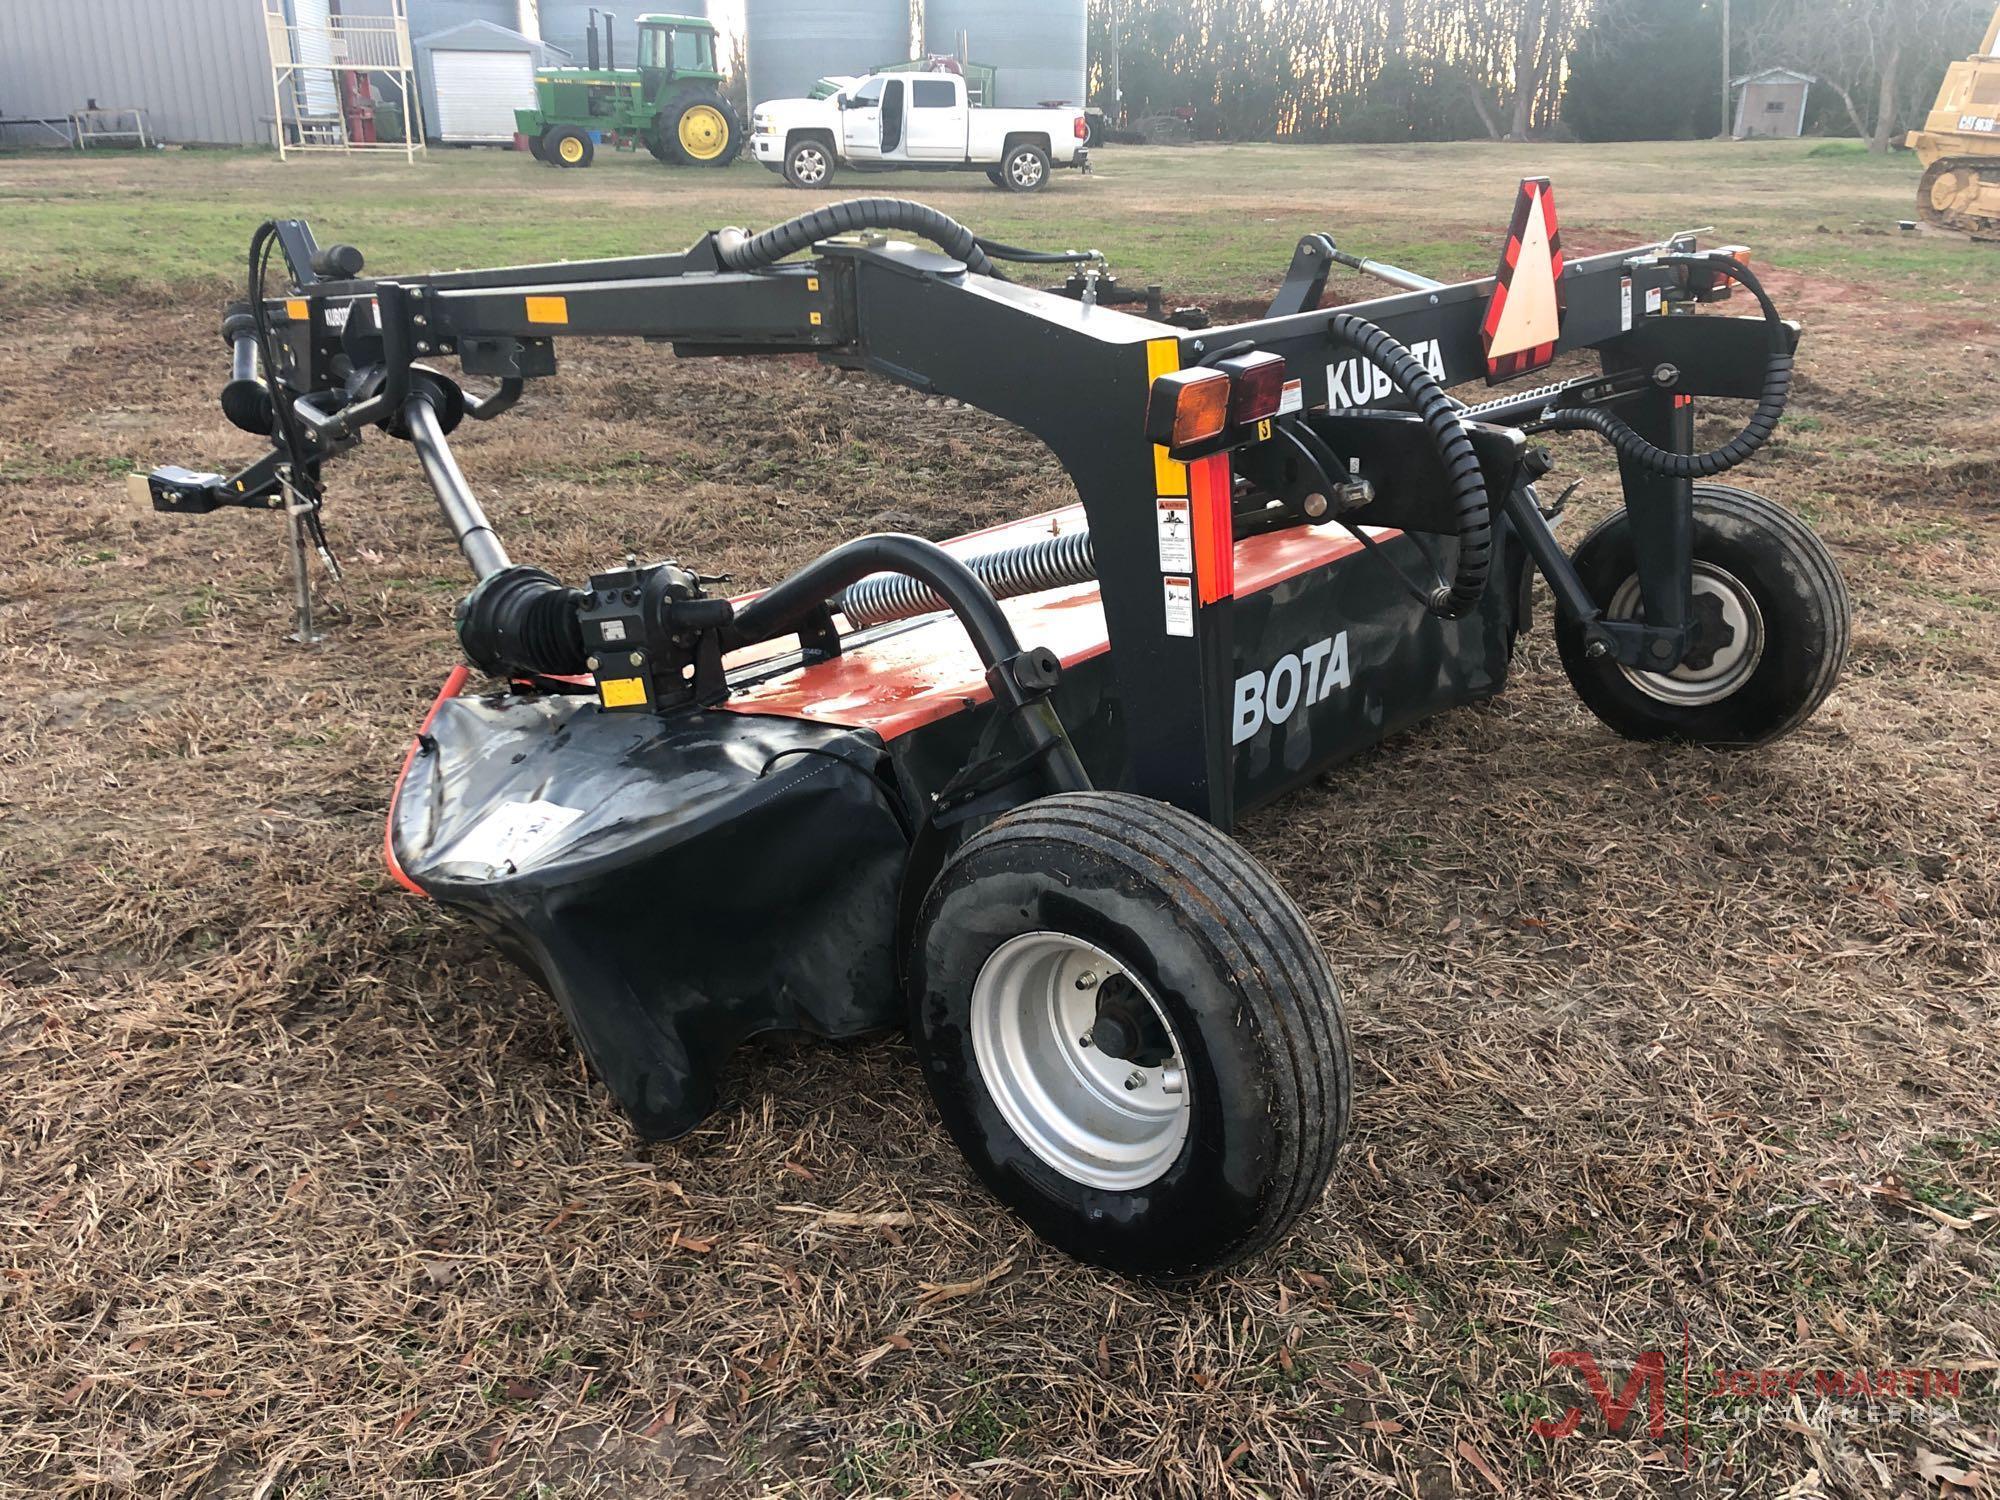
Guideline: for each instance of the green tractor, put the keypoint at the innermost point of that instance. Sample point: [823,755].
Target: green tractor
[672,101]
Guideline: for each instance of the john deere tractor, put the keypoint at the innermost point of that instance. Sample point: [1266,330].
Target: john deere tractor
[672,101]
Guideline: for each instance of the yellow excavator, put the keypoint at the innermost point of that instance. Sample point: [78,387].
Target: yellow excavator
[1960,145]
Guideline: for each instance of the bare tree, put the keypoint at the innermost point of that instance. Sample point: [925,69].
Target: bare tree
[1874,56]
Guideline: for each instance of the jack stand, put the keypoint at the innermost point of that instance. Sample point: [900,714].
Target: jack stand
[295,517]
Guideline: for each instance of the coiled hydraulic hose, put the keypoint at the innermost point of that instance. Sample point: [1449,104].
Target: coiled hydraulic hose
[741,252]
[1464,480]
[1047,562]
[1756,432]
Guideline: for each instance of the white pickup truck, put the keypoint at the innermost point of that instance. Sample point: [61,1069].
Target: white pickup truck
[915,121]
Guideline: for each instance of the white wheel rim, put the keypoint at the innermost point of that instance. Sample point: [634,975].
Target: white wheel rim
[1027,170]
[809,166]
[1099,1120]
[1696,687]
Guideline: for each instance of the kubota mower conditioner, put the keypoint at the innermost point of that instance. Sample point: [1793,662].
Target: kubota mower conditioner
[981,789]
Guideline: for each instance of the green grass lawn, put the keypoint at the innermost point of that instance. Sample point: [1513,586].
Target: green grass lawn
[1203,220]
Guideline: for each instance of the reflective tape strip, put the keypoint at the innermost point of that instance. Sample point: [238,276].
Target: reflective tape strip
[1163,357]
[1214,530]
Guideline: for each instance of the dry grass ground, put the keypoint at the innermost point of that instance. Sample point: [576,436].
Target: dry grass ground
[302,1193]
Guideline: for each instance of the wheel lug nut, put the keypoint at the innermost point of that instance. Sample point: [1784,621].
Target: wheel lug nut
[1136,1081]
[1087,980]
[1596,650]
[1084,1040]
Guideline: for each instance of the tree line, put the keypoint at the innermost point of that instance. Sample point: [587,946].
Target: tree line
[1414,70]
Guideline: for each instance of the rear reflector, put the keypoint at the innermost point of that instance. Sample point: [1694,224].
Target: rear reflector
[1257,386]
[1187,407]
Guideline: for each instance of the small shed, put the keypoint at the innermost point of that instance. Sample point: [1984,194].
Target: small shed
[1772,102]
[473,76]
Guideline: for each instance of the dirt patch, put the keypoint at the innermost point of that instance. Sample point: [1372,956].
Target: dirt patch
[307,1194]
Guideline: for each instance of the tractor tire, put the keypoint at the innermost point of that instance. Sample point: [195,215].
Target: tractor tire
[1762,574]
[1025,169]
[659,148]
[1130,1033]
[567,147]
[700,130]
[809,164]
[535,149]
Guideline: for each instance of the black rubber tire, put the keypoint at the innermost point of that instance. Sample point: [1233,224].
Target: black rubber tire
[535,149]
[993,176]
[795,153]
[1798,591]
[552,147]
[1245,986]
[669,129]
[1041,178]
[658,148]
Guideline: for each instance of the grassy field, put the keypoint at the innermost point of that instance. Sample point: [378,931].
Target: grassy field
[303,1193]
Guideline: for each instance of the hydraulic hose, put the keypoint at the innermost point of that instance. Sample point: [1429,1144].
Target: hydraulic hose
[750,252]
[1756,432]
[1464,479]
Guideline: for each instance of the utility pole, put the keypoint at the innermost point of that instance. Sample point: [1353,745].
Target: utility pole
[1726,124]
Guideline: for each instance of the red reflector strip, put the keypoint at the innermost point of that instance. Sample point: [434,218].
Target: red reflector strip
[1210,486]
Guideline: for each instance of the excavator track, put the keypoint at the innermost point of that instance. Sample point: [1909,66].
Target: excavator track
[1962,193]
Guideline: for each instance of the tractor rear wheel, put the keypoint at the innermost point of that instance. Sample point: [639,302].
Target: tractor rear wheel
[566,146]
[1130,1033]
[1773,621]
[658,147]
[701,130]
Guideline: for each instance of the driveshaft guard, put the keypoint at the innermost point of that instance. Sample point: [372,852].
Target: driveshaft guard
[679,883]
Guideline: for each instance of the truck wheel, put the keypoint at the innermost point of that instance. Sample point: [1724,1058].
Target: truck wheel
[1130,1033]
[993,176]
[1025,169]
[809,164]
[1774,616]
[568,147]
[701,130]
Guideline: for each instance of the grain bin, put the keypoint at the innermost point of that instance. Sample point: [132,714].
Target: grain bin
[1037,48]
[792,44]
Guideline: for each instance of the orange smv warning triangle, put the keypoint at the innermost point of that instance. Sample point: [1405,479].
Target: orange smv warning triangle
[1524,316]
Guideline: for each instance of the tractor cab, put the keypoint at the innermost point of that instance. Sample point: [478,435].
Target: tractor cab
[671,103]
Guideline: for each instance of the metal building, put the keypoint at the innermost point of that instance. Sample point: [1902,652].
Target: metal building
[1772,102]
[1038,49]
[196,67]
[473,76]
[560,23]
[791,44]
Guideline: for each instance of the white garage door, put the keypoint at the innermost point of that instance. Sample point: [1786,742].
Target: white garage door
[478,92]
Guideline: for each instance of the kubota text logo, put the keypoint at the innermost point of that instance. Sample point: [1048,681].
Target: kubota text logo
[1356,382]
[1295,682]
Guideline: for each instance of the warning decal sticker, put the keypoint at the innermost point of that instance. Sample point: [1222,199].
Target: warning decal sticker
[1174,517]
